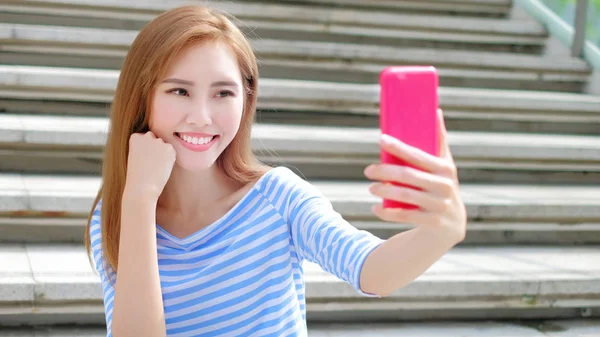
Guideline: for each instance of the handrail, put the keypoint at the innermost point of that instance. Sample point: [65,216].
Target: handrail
[564,32]
[580,27]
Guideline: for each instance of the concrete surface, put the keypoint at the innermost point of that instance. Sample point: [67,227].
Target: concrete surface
[59,277]
[31,194]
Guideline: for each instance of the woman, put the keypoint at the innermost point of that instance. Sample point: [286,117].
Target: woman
[192,236]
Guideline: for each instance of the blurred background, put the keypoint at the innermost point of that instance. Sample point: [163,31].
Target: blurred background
[520,90]
[567,9]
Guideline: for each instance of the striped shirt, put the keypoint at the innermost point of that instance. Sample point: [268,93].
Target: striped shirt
[243,274]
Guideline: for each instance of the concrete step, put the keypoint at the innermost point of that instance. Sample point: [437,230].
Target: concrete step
[60,91]
[558,328]
[308,60]
[348,63]
[274,11]
[486,8]
[52,228]
[27,196]
[321,24]
[133,15]
[30,143]
[534,328]
[46,283]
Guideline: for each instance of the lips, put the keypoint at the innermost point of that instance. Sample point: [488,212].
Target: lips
[204,139]
[194,134]
[197,144]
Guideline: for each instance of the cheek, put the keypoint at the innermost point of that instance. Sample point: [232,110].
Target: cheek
[228,115]
[235,117]
[162,117]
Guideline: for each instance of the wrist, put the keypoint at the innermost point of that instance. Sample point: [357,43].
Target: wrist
[443,236]
[139,197]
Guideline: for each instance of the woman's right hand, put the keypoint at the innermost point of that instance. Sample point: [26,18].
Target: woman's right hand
[149,165]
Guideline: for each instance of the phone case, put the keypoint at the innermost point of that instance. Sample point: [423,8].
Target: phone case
[408,112]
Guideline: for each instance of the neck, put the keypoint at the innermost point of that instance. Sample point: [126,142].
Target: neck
[186,192]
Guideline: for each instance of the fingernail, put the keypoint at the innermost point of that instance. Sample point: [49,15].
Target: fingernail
[386,140]
[372,187]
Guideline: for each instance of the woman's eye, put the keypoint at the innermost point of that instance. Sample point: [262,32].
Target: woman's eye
[179,91]
[225,93]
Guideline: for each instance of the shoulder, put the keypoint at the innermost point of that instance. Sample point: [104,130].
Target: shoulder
[95,236]
[280,179]
[278,174]
[286,190]
[95,220]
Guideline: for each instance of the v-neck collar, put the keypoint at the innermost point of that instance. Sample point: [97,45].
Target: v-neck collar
[187,241]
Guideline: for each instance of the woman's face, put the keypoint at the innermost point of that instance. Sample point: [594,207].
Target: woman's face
[198,106]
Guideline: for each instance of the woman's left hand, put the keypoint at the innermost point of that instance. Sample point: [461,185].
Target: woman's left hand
[440,208]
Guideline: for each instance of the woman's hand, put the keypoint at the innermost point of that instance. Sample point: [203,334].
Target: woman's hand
[149,164]
[440,208]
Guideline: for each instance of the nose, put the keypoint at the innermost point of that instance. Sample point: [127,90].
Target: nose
[199,114]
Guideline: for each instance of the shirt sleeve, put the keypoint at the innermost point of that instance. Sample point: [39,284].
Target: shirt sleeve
[322,236]
[101,267]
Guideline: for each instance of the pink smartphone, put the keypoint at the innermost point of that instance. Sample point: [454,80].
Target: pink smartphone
[408,111]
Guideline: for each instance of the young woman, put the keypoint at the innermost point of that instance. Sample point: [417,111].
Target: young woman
[192,236]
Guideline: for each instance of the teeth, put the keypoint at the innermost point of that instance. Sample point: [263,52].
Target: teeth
[196,140]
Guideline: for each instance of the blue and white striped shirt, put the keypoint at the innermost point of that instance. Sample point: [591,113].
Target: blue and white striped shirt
[242,275]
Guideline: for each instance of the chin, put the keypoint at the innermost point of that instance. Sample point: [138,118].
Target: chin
[195,164]
[192,161]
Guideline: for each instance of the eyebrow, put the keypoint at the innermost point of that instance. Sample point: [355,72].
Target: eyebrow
[191,84]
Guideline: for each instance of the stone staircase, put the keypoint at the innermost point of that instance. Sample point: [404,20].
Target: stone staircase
[523,117]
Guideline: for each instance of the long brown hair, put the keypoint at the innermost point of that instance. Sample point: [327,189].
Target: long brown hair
[147,61]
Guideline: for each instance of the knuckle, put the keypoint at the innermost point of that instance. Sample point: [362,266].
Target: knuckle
[436,221]
[386,216]
[445,205]
[414,154]
[402,173]
[451,170]
[133,138]
[381,213]
[404,193]
[403,216]
[391,215]
[447,188]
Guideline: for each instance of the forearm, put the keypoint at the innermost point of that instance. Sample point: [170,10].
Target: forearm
[138,306]
[402,258]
